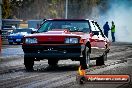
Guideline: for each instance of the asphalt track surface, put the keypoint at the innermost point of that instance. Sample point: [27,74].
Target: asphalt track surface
[14,75]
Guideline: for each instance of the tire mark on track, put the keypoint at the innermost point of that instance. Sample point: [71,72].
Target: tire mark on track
[27,78]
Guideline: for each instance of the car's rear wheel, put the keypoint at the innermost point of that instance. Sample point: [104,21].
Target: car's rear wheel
[85,61]
[100,60]
[52,62]
[28,62]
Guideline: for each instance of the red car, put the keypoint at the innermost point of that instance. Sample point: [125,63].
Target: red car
[58,39]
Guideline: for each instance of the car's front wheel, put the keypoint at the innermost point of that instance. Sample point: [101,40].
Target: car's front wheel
[85,61]
[28,62]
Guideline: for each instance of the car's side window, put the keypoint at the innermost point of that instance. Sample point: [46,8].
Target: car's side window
[92,26]
[97,26]
[96,29]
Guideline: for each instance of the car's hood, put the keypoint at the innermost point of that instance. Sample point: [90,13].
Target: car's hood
[61,32]
[59,36]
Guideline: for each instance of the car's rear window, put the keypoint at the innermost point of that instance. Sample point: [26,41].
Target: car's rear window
[73,26]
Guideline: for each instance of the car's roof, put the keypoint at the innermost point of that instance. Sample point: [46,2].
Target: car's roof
[68,19]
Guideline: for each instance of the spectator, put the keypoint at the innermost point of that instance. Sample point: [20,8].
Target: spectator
[113,32]
[106,29]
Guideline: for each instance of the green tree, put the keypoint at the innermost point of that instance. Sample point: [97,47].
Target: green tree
[6,10]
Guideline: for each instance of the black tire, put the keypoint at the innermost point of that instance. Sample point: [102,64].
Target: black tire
[10,43]
[52,62]
[81,79]
[28,62]
[85,61]
[100,61]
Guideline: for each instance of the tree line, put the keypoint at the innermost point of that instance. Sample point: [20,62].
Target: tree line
[44,9]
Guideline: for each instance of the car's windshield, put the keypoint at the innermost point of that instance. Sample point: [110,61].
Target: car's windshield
[73,26]
[22,30]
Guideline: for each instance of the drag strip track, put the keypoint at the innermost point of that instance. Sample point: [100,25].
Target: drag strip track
[33,79]
[62,76]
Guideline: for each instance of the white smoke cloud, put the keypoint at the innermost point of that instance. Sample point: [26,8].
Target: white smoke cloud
[121,14]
